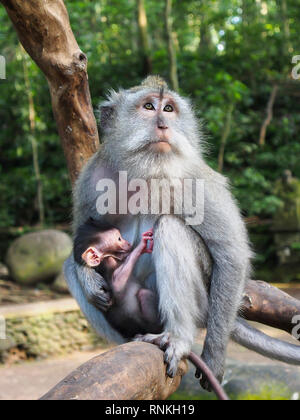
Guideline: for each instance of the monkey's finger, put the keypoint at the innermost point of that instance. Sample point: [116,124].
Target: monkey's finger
[138,337]
[164,341]
[172,366]
[151,245]
[205,384]
[148,233]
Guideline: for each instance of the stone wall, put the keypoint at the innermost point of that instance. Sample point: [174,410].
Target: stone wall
[39,331]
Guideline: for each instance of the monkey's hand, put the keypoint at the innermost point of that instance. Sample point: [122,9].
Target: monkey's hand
[217,370]
[143,246]
[175,349]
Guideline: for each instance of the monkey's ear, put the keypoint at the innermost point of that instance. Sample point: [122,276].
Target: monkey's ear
[106,115]
[92,257]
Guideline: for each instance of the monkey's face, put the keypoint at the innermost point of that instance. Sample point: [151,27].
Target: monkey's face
[113,243]
[155,125]
[146,130]
[110,248]
[158,115]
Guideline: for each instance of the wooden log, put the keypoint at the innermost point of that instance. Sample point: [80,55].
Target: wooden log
[44,30]
[270,306]
[133,371]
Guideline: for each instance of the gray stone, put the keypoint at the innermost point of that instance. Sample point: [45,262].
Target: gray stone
[253,379]
[4,272]
[60,284]
[39,256]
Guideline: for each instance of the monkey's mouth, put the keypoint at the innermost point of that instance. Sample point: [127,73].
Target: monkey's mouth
[163,146]
[158,145]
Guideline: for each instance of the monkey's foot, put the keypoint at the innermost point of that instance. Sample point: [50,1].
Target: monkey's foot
[204,382]
[175,349]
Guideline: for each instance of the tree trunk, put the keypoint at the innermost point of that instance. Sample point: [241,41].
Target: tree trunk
[269,116]
[285,25]
[171,46]
[205,36]
[225,135]
[144,37]
[34,145]
[45,33]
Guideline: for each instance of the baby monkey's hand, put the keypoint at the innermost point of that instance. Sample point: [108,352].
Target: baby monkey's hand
[147,237]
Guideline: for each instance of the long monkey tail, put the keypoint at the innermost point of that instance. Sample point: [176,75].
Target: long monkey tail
[255,340]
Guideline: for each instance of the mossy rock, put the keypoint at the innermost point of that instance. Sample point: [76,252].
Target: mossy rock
[60,284]
[245,381]
[287,217]
[39,256]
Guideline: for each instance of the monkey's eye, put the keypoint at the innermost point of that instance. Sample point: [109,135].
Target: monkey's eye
[168,108]
[149,107]
[120,239]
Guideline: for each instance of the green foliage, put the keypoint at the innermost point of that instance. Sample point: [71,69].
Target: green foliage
[229,52]
[276,392]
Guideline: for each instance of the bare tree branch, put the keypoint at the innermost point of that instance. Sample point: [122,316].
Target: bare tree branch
[270,306]
[269,116]
[44,31]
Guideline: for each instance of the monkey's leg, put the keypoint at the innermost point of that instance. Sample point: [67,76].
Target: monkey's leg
[181,305]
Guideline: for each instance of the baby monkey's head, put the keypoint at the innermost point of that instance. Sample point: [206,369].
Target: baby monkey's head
[99,243]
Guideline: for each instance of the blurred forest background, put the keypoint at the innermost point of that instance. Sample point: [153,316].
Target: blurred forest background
[232,57]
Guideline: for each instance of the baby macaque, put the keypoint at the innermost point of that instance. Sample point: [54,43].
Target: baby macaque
[132,309]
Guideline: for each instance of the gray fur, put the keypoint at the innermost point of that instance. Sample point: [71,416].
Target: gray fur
[174,269]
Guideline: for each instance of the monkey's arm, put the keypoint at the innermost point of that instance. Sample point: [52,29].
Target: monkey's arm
[225,235]
[181,291]
[87,286]
[123,273]
[93,285]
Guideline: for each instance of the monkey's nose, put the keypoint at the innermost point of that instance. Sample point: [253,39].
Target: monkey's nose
[161,124]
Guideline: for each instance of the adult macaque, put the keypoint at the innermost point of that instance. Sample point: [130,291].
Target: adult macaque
[132,309]
[151,132]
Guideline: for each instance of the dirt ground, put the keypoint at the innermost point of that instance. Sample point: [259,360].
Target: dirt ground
[12,293]
[31,380]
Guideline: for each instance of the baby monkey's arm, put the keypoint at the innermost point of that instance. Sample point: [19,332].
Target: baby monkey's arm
[122,274]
